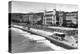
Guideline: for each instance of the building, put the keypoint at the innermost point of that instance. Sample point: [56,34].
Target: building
[25,18]
[36,18]
[73,16]
[49,17]
[71,19]
[60,16]
[32,18]
[67,19]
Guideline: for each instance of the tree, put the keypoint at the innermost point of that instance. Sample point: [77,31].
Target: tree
[34,19]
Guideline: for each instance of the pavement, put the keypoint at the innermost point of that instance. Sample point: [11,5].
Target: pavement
[62,28]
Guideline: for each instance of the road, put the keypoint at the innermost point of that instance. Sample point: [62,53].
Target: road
[67,43]
[26,42]
[36,40]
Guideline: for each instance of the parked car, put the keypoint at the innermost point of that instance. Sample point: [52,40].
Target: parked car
[58,35]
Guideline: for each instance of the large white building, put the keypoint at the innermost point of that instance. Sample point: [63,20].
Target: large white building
[49,17]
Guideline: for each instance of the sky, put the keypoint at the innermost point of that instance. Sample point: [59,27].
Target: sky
[26,7]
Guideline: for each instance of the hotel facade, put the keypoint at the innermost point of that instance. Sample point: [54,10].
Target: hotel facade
[49,17]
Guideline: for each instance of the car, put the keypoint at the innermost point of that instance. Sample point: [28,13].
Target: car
[58,35]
